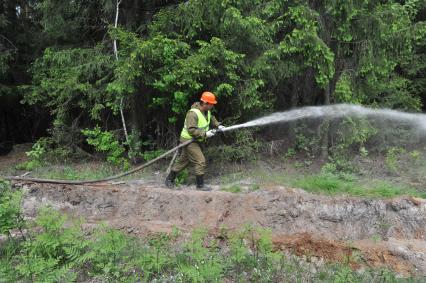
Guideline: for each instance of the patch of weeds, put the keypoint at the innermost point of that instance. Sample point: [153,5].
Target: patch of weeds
[232,189]
[329,184]
[37,155]
[346,184]
[363,151]
[416,156]
[182,177]
[73,172]
[254,187]
[298,165]
[392,157]
[376,238]
[291,152]
[384,226]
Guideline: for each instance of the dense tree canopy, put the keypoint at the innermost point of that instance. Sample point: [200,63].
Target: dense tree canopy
[258,56]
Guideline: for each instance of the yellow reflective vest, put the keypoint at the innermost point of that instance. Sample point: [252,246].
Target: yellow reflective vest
[203,123]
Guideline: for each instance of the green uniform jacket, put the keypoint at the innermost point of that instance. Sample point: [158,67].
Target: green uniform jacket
[191,123]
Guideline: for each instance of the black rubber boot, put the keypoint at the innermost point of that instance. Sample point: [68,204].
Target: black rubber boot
[170,179]
[200,183]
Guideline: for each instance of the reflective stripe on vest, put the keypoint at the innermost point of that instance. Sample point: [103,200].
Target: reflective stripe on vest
[202,124]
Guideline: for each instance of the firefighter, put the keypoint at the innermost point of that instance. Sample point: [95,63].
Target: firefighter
[198,123]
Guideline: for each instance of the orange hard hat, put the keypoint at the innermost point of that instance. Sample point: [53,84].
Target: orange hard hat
[208,97]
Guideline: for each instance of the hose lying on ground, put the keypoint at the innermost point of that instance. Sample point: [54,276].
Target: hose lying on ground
[138,168]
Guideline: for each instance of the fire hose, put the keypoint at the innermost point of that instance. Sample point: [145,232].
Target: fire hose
[70,182]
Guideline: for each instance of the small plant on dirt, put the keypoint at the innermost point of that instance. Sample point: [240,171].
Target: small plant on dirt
[291,152]
[10,209]
[254,187]
[363,152]
[238,254]
[156,257]
[416,156]
[392,156]
[351,136]
[344,275]
[37,155]
[105,141]
[200,261]
[376,238]
[298,165]
[182,177]
[233,189]
[305,142]
[109,248]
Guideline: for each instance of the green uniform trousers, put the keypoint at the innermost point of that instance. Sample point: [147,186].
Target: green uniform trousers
[193,154]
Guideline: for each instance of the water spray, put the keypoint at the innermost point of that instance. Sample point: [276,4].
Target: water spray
[416,120]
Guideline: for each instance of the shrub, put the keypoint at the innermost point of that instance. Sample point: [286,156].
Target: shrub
[10,209]
[244,148]
[105,141]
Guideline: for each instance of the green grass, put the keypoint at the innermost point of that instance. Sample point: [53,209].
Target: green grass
[232,189]
[333,185]
[70,172]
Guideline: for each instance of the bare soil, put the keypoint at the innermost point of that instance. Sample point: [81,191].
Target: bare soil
[16,156]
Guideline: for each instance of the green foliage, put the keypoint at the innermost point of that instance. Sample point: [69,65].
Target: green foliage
[351,135]
[416,156]
[65,80]
[10,209]
[70,172]
[151,154]
[392,158]
[306,143]
[343,92]
[232,189]
[291,152]
[105,141]
[37,155]
[199,262]
[182,177]
[257,56]
[134,144]
[108,250]
[52,254]
[244,148]
[332,183]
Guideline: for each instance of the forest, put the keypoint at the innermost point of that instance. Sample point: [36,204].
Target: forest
[133,67]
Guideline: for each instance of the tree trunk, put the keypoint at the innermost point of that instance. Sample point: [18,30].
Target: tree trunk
[123,121]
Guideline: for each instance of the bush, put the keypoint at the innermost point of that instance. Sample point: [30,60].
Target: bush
[37,155]
[10,209]
[244,148]
[105,141]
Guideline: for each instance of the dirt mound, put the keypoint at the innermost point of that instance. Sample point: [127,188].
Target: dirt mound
[403,256]
[383,232]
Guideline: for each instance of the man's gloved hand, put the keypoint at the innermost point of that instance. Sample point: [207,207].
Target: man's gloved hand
[210,133]
[221,128]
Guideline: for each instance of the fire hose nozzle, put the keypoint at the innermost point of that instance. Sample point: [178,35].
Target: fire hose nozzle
[221,129]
